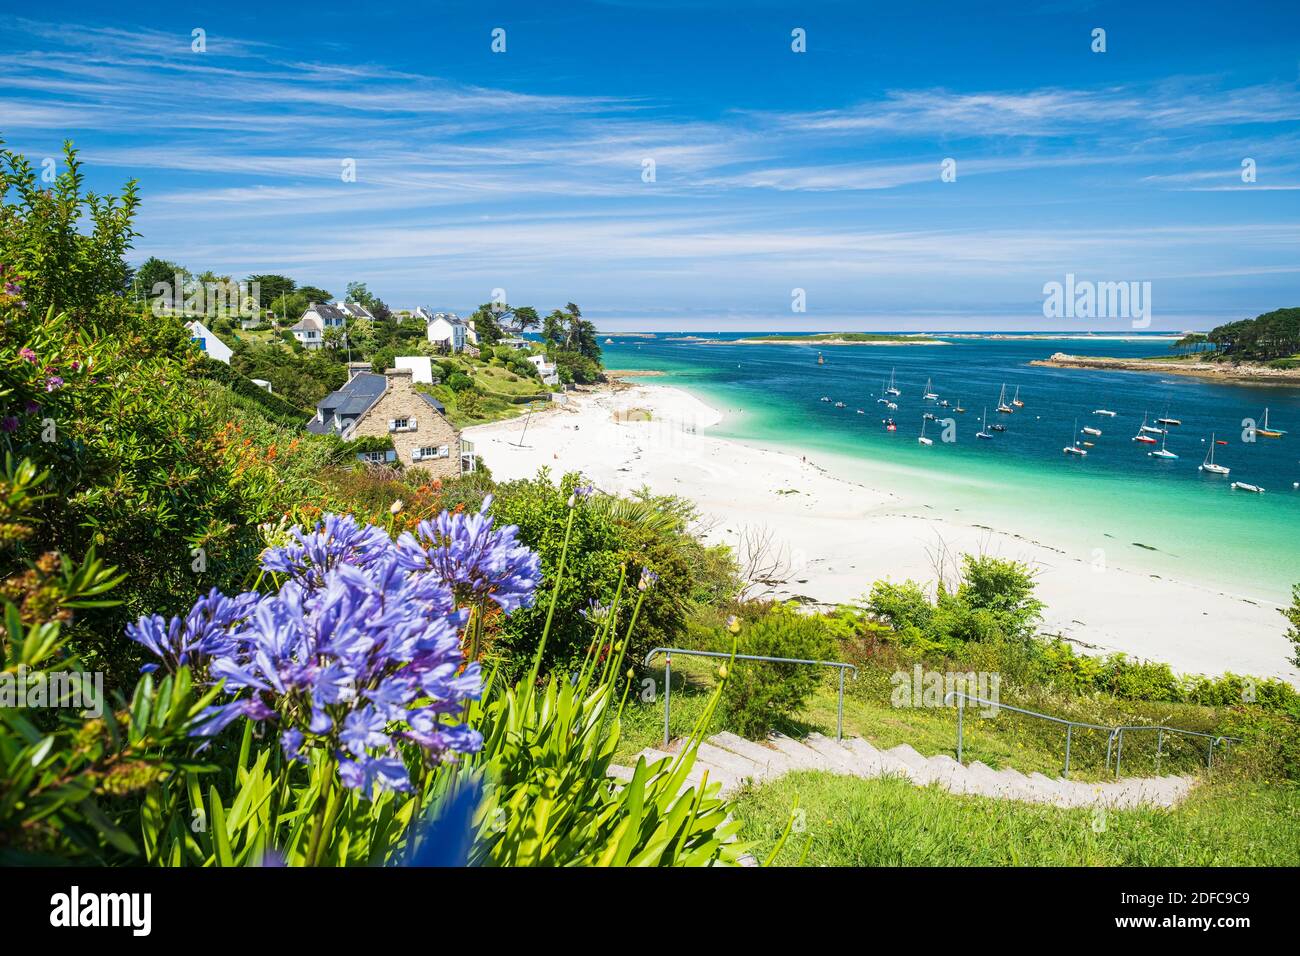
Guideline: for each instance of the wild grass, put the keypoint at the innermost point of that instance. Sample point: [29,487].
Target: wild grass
[844,821]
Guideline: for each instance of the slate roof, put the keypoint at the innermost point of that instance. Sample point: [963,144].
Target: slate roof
[356,310]
[351,400]
[442,409]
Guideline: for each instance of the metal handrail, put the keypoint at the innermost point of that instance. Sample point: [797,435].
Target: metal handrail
[1118,736]
[668,652]
[1115,738]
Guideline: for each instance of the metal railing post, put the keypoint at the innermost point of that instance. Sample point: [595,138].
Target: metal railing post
[839,720]
[668,653]
[1114,738]
[961,709]
[668,690]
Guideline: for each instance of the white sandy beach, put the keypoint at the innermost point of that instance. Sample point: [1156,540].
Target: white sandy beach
[839,536]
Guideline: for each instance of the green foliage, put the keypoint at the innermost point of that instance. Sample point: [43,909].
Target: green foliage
[60,267]
[1273,335]
[761,695]
[301,378]
[1292,614]
[269,404]
[604,544]
[993,600]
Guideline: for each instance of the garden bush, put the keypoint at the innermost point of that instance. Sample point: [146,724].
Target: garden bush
[762,696]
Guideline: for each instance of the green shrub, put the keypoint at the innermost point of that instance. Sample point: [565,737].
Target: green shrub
[761,695]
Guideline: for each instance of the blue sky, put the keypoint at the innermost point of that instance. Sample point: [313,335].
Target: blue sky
[773,170]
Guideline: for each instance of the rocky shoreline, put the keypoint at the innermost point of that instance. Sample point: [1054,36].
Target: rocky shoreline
[1256,374]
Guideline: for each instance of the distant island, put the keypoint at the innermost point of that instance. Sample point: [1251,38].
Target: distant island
[842,338]
[1263,349]
[1178,365]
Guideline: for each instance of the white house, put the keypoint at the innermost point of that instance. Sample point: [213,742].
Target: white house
[421,367]
[208,342]
[545,369]
[310,329]
[447,329]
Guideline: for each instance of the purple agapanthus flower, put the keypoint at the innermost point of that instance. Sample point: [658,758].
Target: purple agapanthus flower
[360,648]
[53,383]
[476,559]
[9,424]
[29,355]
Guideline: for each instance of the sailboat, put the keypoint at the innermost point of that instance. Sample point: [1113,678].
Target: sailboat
[1168,421]
[928,395]
[1003,407]
[1016,400]
[923,440]
[1151,429]
[984,425]
[958,408]
[882,400]
[892,388]
[1269,432]
[1209,465]
[1073,448]
[1162,451]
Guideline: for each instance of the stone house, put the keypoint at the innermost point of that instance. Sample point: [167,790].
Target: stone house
[389,406]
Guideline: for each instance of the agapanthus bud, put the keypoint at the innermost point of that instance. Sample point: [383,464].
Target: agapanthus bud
[395,507]
[733,624]
[722,672]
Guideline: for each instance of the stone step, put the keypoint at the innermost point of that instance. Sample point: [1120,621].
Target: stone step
[839,755]
[803,757]
[913,764]
[870,760]
[731,761]
[771,760]
[721,762]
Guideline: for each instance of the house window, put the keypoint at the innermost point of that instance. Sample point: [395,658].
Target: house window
[430,451]
[372,456]
[401,424]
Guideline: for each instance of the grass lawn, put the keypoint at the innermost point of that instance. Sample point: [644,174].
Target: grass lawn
[890,822]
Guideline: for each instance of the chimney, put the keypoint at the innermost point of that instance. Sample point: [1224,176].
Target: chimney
[357,368]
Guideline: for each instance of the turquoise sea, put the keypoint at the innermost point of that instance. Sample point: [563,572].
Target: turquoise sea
[1117,505]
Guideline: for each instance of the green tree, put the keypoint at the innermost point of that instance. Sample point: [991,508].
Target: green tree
[271,287]
[155,271]
[1292,614]
[44,240]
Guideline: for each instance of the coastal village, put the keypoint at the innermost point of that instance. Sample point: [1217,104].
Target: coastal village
[391,411]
